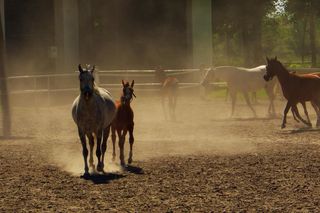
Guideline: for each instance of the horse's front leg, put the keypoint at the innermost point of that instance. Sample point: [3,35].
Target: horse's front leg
[131,141]
[286,110]
[106,132]
[246,97]
[98,151]
[84,151]
[122,137]
[91,144]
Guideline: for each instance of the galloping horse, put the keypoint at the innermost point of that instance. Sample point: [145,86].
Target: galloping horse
[169,89]
[242,80]
[93,111]
[295,88]
[123,122]
[294,109]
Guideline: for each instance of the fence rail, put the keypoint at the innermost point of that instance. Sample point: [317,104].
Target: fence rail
[57,83]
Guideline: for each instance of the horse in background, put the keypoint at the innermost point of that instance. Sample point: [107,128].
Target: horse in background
[242,80]
[294,109]
[295,88]
[93,111]
[123,122]
[169,90]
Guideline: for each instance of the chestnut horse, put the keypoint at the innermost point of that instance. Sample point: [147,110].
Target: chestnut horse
[93,111]
[169,90]
[294,109]
[123,122]
[295,88]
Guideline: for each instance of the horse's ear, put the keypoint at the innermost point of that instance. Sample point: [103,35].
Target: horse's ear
[122,83]
[267,59]
[80,68]
[93,67]
[132,83]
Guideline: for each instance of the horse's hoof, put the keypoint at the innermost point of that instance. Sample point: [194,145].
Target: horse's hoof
[123,164]
[85,175]
[129,161]
[100,167]
[283,126]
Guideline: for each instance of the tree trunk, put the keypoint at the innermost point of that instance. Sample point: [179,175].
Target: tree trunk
[303,46]
[313,40]
[6,118]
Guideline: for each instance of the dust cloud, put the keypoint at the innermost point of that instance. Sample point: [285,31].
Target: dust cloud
[201,128]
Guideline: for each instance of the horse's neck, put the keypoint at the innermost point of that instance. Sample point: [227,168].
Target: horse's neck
[283,76]
[88,104]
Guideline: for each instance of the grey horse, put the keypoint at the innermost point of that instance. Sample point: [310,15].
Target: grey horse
[93,111]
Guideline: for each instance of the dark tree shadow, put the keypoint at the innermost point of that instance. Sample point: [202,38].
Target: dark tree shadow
[104,178]
[134,169]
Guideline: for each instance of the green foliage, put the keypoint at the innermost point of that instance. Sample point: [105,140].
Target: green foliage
[247,31]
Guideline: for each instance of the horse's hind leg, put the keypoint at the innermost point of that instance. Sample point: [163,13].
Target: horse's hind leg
[316,106]
[246,97]
[113,137]
[84,151]
[131,141]
[294,115]
[91,144]
[306,113]
[296,111]
[106,132]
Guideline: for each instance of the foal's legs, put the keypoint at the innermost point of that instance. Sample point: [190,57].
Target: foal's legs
[98,151]
[122,138]
[246,97]
[84,150]
[286,109]
[91,144]
[106,132]
[131,140]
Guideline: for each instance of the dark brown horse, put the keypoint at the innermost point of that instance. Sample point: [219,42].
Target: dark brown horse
[123,121]
[294,109]
[169,91]
[295,88]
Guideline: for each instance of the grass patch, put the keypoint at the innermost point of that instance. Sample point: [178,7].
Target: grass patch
[221,94]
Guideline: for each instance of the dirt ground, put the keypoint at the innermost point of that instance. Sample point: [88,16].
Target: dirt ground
[205,161]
